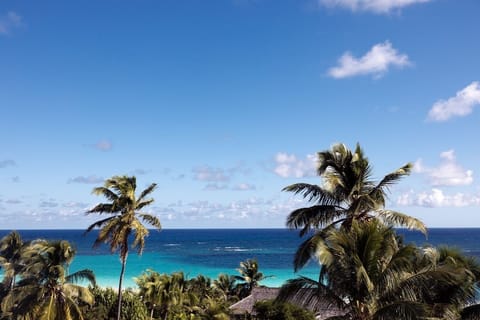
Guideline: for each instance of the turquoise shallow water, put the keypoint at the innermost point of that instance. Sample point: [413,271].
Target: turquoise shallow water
[214,251]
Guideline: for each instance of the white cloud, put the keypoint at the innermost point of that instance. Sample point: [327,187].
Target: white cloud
[8,22]
[215,187]
[377,61]
[287,166]
[206,173]
[447,173]
[88,180]
[104,145]
[459,106]
[376,6]
[244,187]
[436,198]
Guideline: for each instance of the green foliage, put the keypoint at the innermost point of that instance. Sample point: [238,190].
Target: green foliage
[104,308]
[45,290]
[272,310]
[347,193]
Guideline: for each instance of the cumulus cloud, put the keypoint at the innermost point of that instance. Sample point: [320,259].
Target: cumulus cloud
[104,145]
[6,163]
[447,173]
[376,6]
[288,166]
[8,22]
[377,61]
[436,198]
[206,173]
[86,179]
[459,106]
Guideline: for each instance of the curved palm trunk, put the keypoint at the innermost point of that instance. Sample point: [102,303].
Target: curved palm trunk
[120,282]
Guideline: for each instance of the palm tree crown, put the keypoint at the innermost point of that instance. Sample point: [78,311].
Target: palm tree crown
[348,193]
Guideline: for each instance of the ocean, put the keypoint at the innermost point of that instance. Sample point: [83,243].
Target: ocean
[214,251]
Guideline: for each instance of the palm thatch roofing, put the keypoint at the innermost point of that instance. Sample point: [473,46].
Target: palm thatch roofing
[246,305]
[258,294]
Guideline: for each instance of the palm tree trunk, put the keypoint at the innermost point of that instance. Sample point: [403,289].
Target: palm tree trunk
[120,282]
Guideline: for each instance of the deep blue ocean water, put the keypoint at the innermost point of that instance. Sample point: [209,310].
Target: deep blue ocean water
[213,251]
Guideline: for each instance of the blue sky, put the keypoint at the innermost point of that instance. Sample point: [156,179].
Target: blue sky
[224,103]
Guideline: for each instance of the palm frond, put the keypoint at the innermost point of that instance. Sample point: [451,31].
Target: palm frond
[308,250]
[146,192]
[106,192]
[151,220]
[394,177]
[103,208]
[312,192]
[98,224]
[140,205]
[310,294]
[399,219]
[85,274]
[313,217]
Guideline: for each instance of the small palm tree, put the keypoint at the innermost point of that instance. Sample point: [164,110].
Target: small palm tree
[347,194]
[45,290]
[225,285]
[125,220]
[250,276]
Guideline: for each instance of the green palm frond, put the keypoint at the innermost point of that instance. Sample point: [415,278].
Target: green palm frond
[151,220]
[146,192]
[309,249]
[399,219]
[313,192]
[107,193]
[85,274]
[394,177]
[311,294]
[313,217]
[103,208]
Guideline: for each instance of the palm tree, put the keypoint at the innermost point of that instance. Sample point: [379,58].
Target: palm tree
[11,248]
[250,276]
[125,220]
[348,193]
[45,290]
[225,285]
[368,273]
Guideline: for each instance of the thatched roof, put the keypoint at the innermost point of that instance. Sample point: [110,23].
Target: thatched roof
[258,294]
[321,310]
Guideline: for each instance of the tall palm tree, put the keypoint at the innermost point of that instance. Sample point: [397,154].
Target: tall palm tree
[348,193]
[368,273]
[125,220]
[45,290]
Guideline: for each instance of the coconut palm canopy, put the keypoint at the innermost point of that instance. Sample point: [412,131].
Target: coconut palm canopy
[347,193]
[369,273]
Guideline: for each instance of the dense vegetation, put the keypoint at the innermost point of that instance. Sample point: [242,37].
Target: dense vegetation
[367,271]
